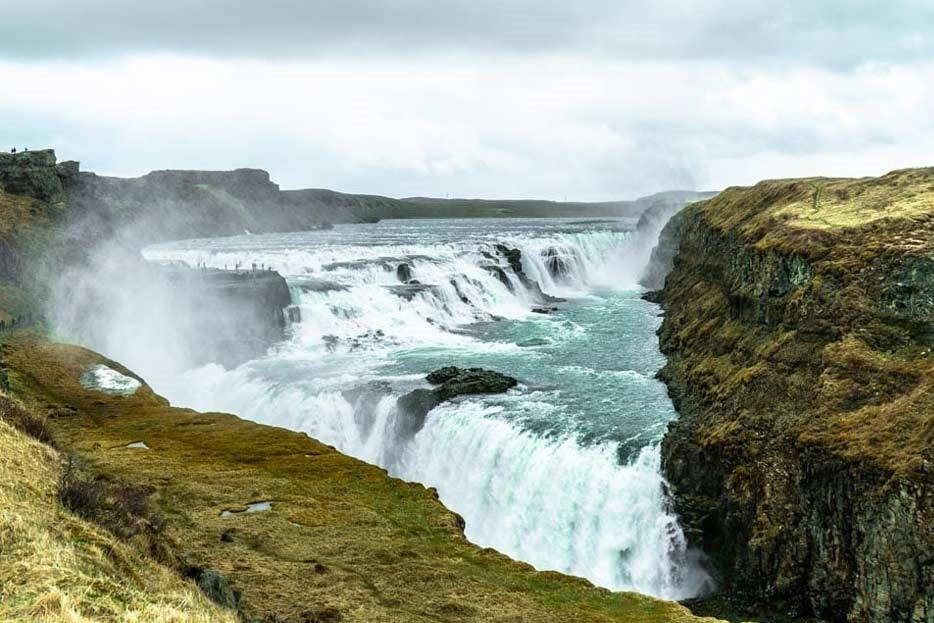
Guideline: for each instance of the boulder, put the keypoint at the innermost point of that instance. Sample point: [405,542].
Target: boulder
[214,586]
[451,382]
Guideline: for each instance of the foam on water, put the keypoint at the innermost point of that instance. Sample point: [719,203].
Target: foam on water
[552,474]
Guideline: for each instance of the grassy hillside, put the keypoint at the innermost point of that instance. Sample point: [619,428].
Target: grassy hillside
[341,540]
[58,568]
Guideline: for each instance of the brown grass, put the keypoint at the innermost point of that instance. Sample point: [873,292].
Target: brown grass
[58,568]
[17,416]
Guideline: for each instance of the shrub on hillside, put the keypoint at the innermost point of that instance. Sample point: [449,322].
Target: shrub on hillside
[122,508]
[14,414]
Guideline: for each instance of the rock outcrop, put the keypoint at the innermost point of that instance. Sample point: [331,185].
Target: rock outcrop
[798,333]
[234,316]
[170,205]
[175,204]
[451,382]
[513,259]
[34,174]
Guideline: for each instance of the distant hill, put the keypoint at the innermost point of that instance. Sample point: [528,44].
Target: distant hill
[429,207]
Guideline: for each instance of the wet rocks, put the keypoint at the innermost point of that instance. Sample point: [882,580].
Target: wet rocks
[454,381]
[513,259]
[451,382]
[557,263]
[404,272]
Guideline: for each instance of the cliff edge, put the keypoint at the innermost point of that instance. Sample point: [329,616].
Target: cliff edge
[799,327]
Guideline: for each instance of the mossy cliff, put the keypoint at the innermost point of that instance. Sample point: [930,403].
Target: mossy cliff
[799,327]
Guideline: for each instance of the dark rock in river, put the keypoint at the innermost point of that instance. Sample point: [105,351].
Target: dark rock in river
[404,273]
[410,290]
[557,263]
[451,382]
[513,258]
[456,381]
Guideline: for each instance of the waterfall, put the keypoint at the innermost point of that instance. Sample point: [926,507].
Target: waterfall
[528,481]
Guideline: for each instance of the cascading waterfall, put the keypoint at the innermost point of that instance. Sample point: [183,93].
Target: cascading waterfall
[553,473]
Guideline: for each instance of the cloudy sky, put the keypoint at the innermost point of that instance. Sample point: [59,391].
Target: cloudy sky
[476,98]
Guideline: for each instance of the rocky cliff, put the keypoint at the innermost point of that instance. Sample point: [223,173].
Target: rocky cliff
[169,205]
[232,316]
[798,328]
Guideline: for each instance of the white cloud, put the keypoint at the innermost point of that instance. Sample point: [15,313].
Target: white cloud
[543,125]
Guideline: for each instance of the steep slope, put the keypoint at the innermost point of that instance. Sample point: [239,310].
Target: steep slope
[799,327]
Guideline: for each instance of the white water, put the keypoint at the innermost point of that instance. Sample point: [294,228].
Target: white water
[562,472]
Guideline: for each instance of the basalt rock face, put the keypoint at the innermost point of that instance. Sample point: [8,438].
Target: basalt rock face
[232,316]
[34,174]
[798,334]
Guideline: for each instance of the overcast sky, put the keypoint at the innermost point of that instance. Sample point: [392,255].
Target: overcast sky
[477,98]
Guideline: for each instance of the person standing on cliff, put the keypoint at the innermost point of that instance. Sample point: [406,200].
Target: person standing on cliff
[13,151]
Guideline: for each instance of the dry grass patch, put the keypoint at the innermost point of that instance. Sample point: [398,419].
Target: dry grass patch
[57,568]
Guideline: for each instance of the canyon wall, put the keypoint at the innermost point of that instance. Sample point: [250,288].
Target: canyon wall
[798,331]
